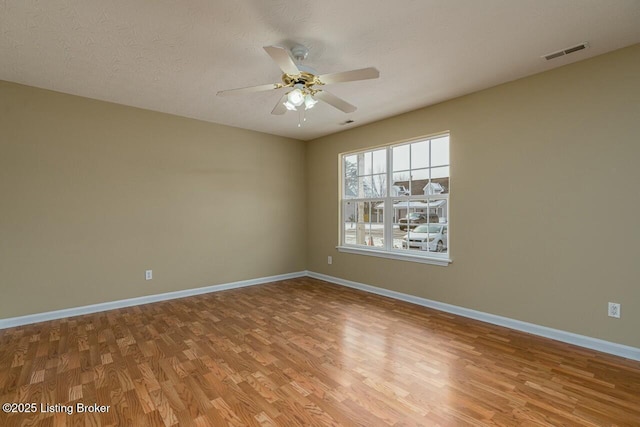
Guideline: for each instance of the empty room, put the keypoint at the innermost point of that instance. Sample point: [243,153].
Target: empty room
[338,213]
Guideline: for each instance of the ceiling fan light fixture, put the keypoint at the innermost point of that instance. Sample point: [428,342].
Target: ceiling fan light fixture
[295,97]
[309,102]
[289,106]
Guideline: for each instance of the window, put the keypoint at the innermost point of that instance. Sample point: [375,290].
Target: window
[395,201]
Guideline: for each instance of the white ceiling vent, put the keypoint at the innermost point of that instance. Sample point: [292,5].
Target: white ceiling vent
[566,51]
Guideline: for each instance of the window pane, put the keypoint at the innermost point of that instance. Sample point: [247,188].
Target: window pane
[350,165]
[349,212]
[408,215]
[437,186]
[361,163]
[440,151]
[359,230]
[380,161]
[420,155]
[364,187]
[441,172]
[376,231]
[421,226]
[401,157]
[400,209]
[367,163]
[351,187]
[419,174]
[427,237]
[364,223]
[350,176]
[439,183]
[419,179]
[414,212]
[400,186]
[438,210]
[379,185]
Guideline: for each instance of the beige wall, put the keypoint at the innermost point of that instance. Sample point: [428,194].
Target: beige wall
[92,194]
[544,201]
[545,197]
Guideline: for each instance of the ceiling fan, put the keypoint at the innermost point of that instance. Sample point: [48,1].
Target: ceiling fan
[304,82]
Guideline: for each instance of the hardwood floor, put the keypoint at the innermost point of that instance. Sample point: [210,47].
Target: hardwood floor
[304,352]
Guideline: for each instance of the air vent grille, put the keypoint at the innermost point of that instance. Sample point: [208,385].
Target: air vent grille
[566,51]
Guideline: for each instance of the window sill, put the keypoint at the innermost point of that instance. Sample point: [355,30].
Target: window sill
[444,262]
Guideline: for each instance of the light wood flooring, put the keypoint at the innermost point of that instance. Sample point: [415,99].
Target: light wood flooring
[304,352]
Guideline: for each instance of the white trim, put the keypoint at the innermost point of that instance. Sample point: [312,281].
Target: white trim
[111,305]
[543,331]
[395,255]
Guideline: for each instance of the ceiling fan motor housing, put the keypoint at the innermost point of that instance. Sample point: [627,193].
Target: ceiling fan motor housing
[304,78]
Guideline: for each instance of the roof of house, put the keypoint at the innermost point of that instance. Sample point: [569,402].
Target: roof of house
[418,185]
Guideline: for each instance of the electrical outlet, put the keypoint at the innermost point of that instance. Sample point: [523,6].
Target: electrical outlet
[329,260]
[148,275]
[614,310]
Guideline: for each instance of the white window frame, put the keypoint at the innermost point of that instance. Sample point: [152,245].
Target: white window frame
[388,251]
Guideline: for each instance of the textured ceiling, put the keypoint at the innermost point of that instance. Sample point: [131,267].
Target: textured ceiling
[173,57]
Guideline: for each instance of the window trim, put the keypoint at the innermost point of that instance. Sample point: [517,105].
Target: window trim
[389,253]
[424,259]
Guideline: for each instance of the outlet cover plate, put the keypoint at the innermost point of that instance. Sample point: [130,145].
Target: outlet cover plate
[614,310]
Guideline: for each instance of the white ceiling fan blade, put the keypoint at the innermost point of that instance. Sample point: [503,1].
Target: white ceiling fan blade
[249,89]
[349,76]
[334,101]
[280,108]
[283,59]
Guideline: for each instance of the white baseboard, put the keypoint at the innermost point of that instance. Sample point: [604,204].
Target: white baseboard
[556,334]
[543,331]
[95,308]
